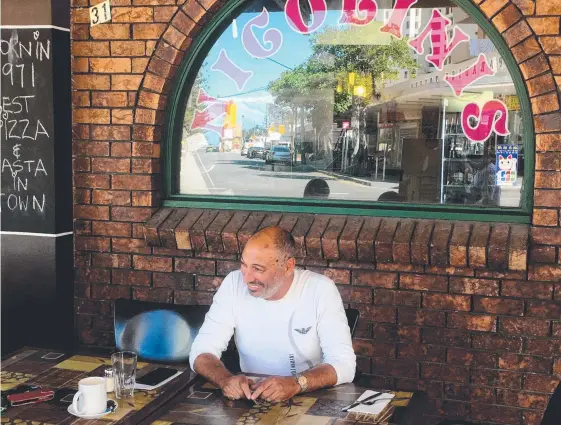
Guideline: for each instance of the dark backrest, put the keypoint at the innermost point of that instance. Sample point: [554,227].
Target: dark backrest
[352,317]
[157,331]
[552,415]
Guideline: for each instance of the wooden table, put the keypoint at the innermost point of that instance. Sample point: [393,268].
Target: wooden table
[203,404]
[62,371]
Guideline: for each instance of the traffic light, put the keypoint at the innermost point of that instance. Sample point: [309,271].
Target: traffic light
[359,91]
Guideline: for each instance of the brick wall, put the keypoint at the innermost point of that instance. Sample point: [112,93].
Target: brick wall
[470,313]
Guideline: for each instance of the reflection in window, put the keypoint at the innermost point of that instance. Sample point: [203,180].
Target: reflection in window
[356,107]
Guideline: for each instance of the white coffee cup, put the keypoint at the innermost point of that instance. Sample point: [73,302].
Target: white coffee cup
[91,398]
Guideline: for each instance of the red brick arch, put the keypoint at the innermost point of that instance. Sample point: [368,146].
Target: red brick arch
[184,26]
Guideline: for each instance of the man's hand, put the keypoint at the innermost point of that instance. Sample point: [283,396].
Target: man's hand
[236,387]
[276,388]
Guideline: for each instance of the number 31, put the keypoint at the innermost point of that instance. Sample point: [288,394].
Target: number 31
[95,12]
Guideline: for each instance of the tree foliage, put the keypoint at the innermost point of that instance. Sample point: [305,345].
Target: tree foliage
[255,131]
[324,77]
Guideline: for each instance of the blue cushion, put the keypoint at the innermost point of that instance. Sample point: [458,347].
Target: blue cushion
[155,331]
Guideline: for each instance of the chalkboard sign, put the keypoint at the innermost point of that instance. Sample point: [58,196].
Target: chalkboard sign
[27,130]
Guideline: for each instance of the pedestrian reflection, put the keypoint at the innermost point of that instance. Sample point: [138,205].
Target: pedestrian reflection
[390,196]
[317,188]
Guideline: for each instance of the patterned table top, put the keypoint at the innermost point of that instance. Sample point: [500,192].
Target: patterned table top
[61,372]
[203,404]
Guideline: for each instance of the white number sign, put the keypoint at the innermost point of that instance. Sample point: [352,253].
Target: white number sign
[100,13]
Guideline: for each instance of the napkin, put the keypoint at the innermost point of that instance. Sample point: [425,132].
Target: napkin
[377,407]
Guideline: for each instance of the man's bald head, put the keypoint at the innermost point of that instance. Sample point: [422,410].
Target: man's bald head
[268,263]
[275,237]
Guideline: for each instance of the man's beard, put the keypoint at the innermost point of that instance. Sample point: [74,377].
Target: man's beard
[266,291]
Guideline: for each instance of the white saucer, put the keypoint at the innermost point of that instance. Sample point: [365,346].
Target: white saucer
[99,415]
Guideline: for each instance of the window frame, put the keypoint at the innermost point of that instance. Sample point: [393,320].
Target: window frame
[172,134]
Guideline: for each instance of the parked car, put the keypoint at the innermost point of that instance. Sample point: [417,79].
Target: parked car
[212,148]
[279,154]
[256,152]
[243,152]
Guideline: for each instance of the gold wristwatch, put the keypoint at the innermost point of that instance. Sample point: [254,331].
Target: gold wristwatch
[303,382]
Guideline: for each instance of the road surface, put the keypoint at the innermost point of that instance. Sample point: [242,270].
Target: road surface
[229,173]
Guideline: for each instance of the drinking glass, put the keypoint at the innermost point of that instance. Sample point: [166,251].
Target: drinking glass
[124,366]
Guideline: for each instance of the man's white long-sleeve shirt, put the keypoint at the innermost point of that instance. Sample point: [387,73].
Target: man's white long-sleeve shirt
[308,326]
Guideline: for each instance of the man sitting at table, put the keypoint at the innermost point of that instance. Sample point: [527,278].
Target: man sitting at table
[287,323]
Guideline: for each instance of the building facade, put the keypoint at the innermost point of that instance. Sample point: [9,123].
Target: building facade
[467,309]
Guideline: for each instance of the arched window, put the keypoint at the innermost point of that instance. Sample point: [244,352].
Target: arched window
[320,107]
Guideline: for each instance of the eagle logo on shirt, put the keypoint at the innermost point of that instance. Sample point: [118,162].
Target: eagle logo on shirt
[303,331]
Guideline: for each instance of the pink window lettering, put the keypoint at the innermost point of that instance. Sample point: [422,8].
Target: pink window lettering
[225,65]
[493,116]
[203,119]
[358,12]
[294,19]
[272,38]
[440,48]
[203,97]
[460,81]
[393,26]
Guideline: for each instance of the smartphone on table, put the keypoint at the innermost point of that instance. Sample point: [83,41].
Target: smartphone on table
[156,378]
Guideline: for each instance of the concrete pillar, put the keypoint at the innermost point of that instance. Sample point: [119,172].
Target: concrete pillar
[36,177]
